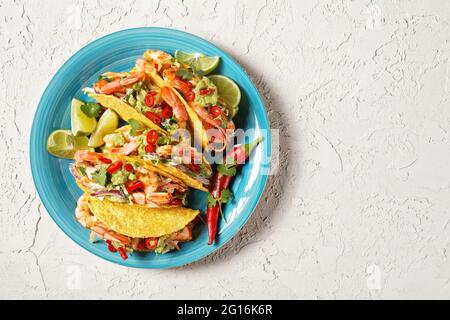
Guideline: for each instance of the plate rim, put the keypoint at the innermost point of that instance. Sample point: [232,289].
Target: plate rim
[46,202]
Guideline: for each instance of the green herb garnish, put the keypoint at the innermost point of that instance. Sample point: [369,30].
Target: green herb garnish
[134,126]
[184,74]
[91,109]
[226,170]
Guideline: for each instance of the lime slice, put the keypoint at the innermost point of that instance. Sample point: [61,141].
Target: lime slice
[108,122]
[81,124]
[63,144]
[198,61]
[228,91]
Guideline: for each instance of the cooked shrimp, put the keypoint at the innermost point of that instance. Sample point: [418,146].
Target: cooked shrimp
[178,108]
[126,149]
[139,197]
[104,232]
[83,213]
[119,84]
[158,56]
[171,78]
[189,154]
[86,218]
[85,155]
[160,197]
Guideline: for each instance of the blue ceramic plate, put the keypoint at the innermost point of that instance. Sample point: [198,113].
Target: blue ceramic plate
[118,52]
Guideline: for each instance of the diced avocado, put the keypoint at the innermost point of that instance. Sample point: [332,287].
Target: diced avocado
[119,177]
[205,99]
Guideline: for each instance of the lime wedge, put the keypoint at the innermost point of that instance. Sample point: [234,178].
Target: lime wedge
[108,122]
[228,91]
[81,124]
[63,144]
[198,61]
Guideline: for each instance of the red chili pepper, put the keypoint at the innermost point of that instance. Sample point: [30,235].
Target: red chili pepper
[220,183]
[105,160]
[134,185]
[150,99]
[116,166]
[123,253]
[176,202]
[194,167]
[150,148]
[128,167]
[141,245]
[152,136]
[110,246]
[167,112]
[151,243]
[190,96]
[206,91]
[153,117]
[216,111]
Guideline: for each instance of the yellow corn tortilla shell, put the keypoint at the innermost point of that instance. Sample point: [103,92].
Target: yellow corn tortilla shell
[187,179]
[194,121]
[125,111]
[139,221]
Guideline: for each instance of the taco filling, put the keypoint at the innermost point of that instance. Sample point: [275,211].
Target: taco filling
[157,104]
[160,150]
[199,93]
[102,226]
[122,179]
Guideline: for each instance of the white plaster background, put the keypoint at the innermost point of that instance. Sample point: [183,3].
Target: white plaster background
[360,91]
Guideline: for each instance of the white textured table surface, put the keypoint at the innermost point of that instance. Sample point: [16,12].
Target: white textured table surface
[360,207]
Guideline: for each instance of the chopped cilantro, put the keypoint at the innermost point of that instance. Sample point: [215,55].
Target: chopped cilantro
[226,170]
[91,109]
[184,74]
[134,126]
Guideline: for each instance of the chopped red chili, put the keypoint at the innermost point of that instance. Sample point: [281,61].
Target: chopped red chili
[167,112]
[114,167]
[134,185]
[152,136]
[105,160]
[153,117]
[128,167]
[150,148]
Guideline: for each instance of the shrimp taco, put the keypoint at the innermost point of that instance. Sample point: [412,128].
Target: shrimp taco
[127,228]
[161,152]
[134,95]
[123,179]
[210,117]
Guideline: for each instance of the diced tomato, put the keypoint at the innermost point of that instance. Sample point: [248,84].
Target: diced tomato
[134,185]
[114,167]
[129,167]
[167,112]
[151,243]
[152,137]
[153,117]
